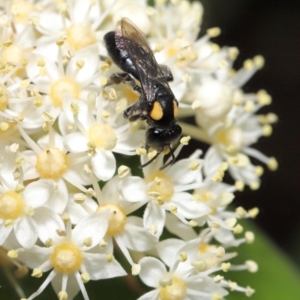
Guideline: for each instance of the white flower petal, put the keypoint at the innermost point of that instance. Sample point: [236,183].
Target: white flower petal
[167,250]
[133,189]
[8,166]
[44,141]
[72,286]
[212,161]
[32,70]
[29,168]
[77,174]
[4,232]
[109,192]
[134,237]
[99,268]
[181,173]
[127,143]
[26,232]
[75,210]
[76,142]
[47,19]
[189,208]
[91,64]
[48,222]
[104,165]
[59,198]
[38,193]
[154,216]
[93,226]
[35,256]
[152,295]
[175,226]
[152,270]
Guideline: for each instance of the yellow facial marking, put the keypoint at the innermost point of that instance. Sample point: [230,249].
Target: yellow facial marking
[156,112]
[175,108]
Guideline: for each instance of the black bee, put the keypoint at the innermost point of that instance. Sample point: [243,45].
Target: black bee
[130,51]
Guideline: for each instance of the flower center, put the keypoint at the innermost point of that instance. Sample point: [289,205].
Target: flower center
[176,291]
[211,261]
[66,258]
[13,55]
[80,36]
[117,218]
[11,205]
[207,196]
[163,185]
[21,9]
[51,163]
[102,136]
[62,87]
[3,97]
[232,137]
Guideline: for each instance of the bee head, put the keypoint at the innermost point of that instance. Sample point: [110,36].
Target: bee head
[159,137]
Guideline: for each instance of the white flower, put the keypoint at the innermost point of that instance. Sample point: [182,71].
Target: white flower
[82,24]
[127,231]
[21,208]
[50,160]
[75,28]
[200,259]
[68,255]
[59,82]
[232,143]
[166,190]
[178,283]
[101,135]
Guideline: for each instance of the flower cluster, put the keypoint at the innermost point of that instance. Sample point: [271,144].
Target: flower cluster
[69,190]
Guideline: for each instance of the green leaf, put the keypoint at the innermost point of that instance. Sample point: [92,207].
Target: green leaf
[277,277]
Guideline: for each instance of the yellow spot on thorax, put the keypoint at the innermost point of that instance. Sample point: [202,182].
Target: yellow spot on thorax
[66,258]
[51,163]
[157,111]
[117,218]
[62,87]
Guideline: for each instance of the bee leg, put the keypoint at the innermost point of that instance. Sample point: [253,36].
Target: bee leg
[136,111]
[126,78]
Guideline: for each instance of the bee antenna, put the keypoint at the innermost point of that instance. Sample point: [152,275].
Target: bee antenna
[149,161]
[171,161]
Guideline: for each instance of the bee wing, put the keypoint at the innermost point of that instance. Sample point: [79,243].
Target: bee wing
[143,59]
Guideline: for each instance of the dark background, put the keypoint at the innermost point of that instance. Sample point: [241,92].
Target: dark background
[270,28]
